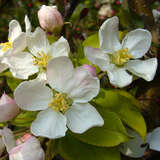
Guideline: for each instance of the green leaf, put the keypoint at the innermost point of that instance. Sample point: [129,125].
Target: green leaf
[92,41]
[71,149]
[125,106]
[111,134]
[25,118]
[13,82]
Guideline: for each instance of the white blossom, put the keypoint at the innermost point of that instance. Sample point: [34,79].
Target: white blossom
[117,59]
[66,104]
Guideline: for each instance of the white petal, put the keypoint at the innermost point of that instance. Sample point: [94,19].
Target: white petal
[138,42]
[119,77]
[21,65]
[108,35]
[49,123]
[33,95]
[8,108]
[24,150]
[60,48]
[19,44]
[38,42]
[156,14]
[154,139]
[27,24]
[14,30]
[97,57]
[84,86]
[145,69]
[3,67]
[81,117]
[133,148]
[8,138]
[59,73]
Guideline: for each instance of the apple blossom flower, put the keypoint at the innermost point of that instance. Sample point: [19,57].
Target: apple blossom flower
[28,148]
[8,108]
[67,105]
[118,59]
[23,147]
[136,147]
[16,43]
[40,53]
[156,14]
[50,18]
[91,69]
[105,11]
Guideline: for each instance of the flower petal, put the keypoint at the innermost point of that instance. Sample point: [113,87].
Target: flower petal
[119,77]
[38,42]
[27,24]
[60,48]
[138,42]
[49,123]
[84,86]
[3,67]
[81,117]
[19,44]
[108,35]
[133,148]
[21,65]
[14,30]
[33,95]
[145,69]
[8,138]
[23,151]
[8,108]
[96,56]
[59,74]
[154,139]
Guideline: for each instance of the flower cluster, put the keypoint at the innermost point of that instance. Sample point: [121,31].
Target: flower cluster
[59,92]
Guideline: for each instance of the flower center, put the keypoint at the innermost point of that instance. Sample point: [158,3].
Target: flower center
[60,102]
[6,46]
[42,59]
[120,57]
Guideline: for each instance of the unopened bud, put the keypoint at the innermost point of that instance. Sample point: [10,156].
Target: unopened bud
[91,69]
[105,11]
[28,147]
[8,108]
[50,19]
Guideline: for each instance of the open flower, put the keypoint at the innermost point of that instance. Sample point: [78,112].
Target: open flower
[67,104]
[136,147]
[117,58]
[25,148]
[41,52]
[16,42]
[156,14]
[8,108]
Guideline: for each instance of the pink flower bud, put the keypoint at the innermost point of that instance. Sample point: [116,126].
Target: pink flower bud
[28,149]
[8,108]
[50,18]
[91,69]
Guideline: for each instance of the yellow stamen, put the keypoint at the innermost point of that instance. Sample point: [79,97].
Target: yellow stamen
[120,57]
[6,46]
[42,59]
[60,103]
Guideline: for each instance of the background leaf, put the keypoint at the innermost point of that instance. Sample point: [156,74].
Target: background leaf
[71,149]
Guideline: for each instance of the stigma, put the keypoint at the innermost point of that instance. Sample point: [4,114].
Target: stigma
[120,57]
[60,102]
[42,59]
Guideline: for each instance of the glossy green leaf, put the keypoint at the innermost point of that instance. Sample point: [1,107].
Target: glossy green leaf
[111,134]
[92,41]
[72,149]
[125,106]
